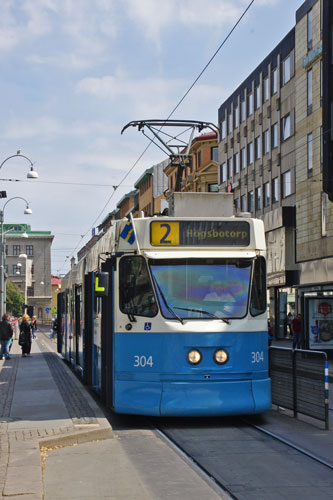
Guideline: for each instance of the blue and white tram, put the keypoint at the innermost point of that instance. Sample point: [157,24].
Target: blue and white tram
[181,327]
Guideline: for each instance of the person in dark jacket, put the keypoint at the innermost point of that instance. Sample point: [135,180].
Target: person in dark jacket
[25,336]
[6,333]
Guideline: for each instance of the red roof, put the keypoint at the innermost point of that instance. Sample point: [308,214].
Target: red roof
[205,137]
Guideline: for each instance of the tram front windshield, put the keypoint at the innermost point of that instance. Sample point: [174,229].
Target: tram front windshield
[202,288]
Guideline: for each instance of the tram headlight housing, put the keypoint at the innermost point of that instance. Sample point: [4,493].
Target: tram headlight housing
[221,356]
[194,357]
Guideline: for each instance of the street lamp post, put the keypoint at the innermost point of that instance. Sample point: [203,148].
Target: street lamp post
[32,174]
[2,252]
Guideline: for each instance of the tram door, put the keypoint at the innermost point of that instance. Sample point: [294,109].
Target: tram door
[92,353]
[108,304]
[78,328]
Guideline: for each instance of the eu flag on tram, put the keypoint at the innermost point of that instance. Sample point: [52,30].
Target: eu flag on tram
[128,233]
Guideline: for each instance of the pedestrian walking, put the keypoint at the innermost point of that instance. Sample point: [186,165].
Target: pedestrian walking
[290,317]
[54,329]
[25,336]
[34,327]
[6,334]
[296,328]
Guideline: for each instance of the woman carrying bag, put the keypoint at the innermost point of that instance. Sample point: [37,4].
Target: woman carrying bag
[25,336]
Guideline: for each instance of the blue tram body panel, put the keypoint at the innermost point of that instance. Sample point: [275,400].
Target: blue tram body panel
[153,377]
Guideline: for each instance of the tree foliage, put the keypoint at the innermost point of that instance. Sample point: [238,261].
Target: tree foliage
[14,299]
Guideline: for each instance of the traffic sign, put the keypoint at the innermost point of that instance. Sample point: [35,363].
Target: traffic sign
[47,309]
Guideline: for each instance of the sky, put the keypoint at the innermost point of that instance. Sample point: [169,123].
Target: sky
[75,72]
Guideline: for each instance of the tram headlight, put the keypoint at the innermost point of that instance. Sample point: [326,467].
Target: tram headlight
[221,356]
[194,357]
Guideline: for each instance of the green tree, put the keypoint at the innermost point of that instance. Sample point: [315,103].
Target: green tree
[15,299]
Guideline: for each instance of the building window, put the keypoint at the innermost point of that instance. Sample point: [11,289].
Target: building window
[274,137]
[199,159]
[16,250]
[309,29]
[321,82]
[30,291]
[286,184]
[213,188]
[309,87]
[310,165]
[229,168]
[257,147]
[266,89]
[6,268]
[243,158]
[286,128]
[223,172]
[29,250]
[243,110]
[275,189]
[223,130]
[265,145]
[16,269]
[250,202]
[286,69]
[243,203]
[250,153]
[249,104]
[258,198]
[236,163]
[236,117]
[257,97]
[32,269]
[324,213]
[274,81]
[229,123]
[236,203]
[214,154]
[321,149]
[267,194]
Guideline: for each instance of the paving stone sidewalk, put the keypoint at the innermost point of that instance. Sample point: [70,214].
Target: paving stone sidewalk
[42,404]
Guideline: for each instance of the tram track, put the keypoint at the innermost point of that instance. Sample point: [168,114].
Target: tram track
[267,451]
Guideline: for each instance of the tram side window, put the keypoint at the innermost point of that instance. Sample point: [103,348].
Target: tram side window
[136,294]
[258,292]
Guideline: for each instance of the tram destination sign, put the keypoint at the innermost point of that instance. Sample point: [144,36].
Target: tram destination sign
[200,233]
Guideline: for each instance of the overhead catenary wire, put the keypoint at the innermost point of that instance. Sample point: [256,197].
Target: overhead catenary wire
[169,116]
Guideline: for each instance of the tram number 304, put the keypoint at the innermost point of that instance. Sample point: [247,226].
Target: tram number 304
[257,356]
[142,361]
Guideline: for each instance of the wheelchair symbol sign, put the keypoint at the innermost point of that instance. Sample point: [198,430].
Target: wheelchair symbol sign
[147,326]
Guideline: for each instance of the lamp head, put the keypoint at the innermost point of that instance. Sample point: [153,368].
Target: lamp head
[32,174]
[23,256]
[28,211]
[24,235]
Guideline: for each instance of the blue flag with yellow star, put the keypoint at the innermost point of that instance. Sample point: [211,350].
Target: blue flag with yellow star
[128,233]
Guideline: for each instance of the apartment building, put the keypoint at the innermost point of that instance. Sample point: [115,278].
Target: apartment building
[28,265]
[274,156]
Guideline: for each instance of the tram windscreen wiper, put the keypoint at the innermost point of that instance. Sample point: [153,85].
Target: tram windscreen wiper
[211,315]
[169,308]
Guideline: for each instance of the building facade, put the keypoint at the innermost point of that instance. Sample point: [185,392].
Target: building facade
[28,265]
[272,157]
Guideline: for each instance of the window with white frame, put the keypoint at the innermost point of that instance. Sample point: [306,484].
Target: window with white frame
[223,129]
[243,158]
[249,104]
[258,198]
[286,70]
[266,89]
[274,81]
[243,203]
[215,154]
[229,123]
[257,97]
[267,194]
[275,190]
[274,135]
[285,127]
[309,155]
[265,145]
[29,250]
[257,147]
[243,110]
[309,29]
[236,163]
[250,200]
[236,117]
[223,172]
[250,153]
[286,184]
